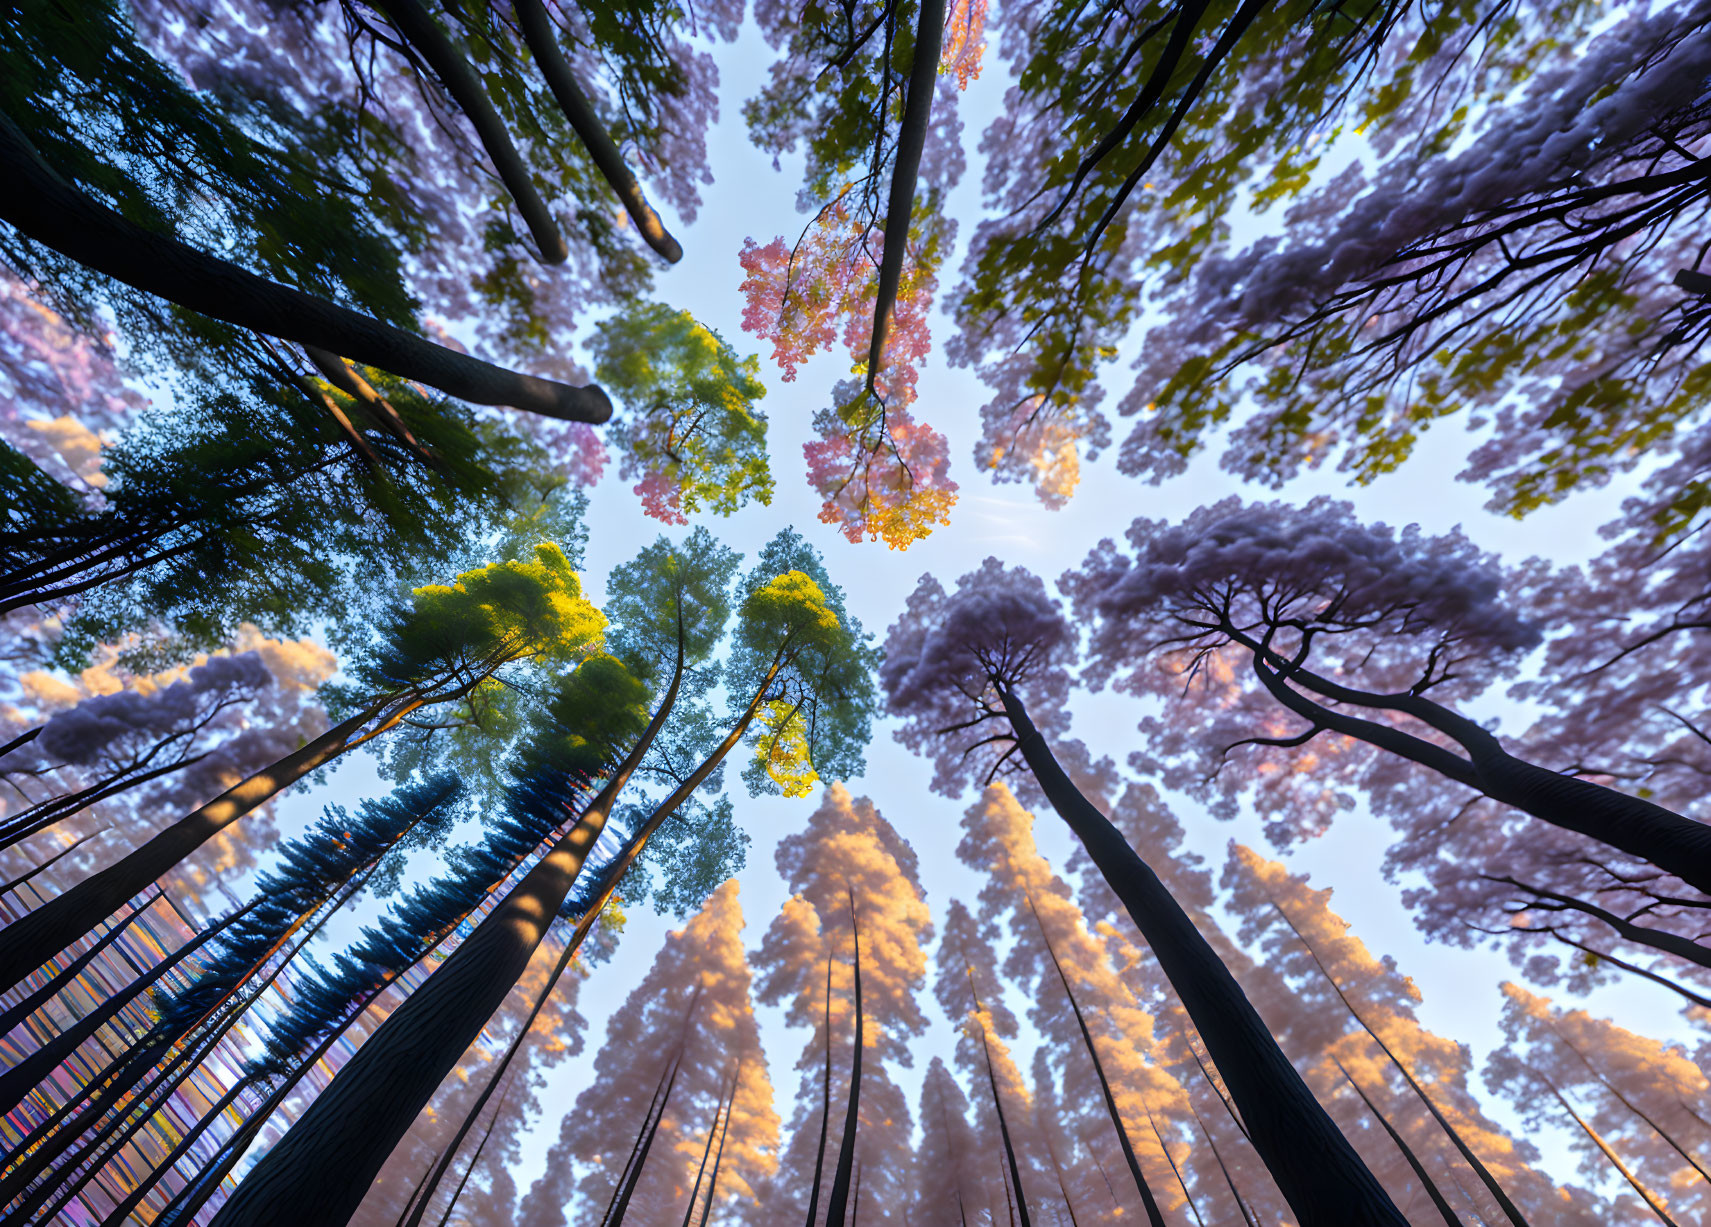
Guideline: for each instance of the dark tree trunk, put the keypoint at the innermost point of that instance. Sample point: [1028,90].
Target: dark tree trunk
[1646,1195]
[473,1161]
[905,170]
[1319,1173]
[1154,1216]
[1510,1210]
[35,938]
[602,150]
[825,1102]
[839,1199]
[18,1081]
[323,1166]
[51,211]
[1426,1182]
[621,1207]
[50,988]
[701,1169]
[1176,1171]
[24,878]
[55,810]
[1224,1169]
[422,33]
[719,1155]
[123,1211]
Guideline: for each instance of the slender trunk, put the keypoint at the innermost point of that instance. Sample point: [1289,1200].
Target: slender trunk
[636,1146]
[22,879]
[1652,1203]
[55,983]
[1230,1108]
[701,1169]
[324,1165]
[622,1205]
[839,1199]
[1154,1216]
[123,1211]
[1633,1107]
[1426,1182]
[602,150]
[1057,1170]
[1319,1173]
[905,170]
[35,938]
[22,739]
[473,1161]
[55,810]
[1509,1208]
[825,1101]
[1021,1203]
[51,211]
[18,1081]
[1224,1169]
[719,1155]
[1169,1158]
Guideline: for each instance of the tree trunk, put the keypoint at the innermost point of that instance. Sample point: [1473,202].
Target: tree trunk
[21,879]
[39,936]
[602,150]
[473,1161]
[423,34]
[55,983]
[719,1155]
[1169,1158]
[325,1163]
[905,169]
[621,1207]
[46,208]
[1652,1203]
[1510,1210]
[1021,1204]
[1224,1168]
[701,1170]
[839,1199]
[55,810]
[123,1211]
[1154,1216]
[825,1101]
[1426,1182]
[18,1081]
[1319,1173]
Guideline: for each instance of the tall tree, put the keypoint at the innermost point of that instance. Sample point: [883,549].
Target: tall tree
[956,670]
[703,961]
[846,848]
[951,1168]
[1301,631]
[453,640]
[857,88]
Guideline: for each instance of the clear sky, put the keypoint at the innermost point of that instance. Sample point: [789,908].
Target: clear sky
[748,198]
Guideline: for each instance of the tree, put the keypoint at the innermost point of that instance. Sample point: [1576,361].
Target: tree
[1132,135]
[956,666]
[1551,256]
[452,641]
[1099,1038]
[1642,1100]
[1362,645]
[842,81]
[950,1175]
[692,1008]
[847,851]
[693,437]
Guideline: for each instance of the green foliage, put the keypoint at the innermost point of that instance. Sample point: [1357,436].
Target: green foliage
[693,434]
[820,700]
[672,598]
[693,851]
[590,718]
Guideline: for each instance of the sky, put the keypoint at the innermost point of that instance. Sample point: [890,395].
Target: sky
[748,198]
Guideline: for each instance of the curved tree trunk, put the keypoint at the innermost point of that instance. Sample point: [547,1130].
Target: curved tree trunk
[1426,1182]
[422,33]
[542,41]
[51,211]
[323,1166]
[1319,1173]
[35,938]
[839,1199]
[1154,1216]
